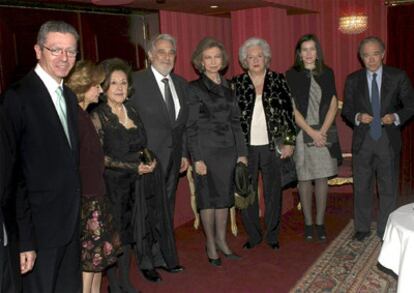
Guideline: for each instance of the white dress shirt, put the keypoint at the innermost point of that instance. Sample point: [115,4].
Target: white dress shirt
[159,77]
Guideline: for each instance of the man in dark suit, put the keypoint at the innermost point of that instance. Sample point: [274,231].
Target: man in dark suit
[9,261]
[160,99]
[378,100]
[43,114]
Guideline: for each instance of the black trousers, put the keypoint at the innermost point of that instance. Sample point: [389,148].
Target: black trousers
[172,172]
[375,160]
[56,270]
[261,158]
[8,275]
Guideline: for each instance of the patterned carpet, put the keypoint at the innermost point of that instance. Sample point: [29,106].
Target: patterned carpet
[347,266]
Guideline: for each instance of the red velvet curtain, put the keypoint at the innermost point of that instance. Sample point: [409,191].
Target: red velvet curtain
[400,54]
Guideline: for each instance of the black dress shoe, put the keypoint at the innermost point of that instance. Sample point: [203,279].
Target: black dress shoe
[215,261]
[248,245]
[360,235]
[175,269]
[274,246]
[151,275]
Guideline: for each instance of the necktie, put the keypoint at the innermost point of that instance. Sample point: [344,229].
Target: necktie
[169,99]
[61,110]
[375,128]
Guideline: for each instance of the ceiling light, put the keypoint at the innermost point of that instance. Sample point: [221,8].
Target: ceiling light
[214,6]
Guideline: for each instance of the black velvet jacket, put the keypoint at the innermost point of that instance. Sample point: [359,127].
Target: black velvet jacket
[277,105]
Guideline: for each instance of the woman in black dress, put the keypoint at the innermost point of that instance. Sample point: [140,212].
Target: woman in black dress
[134,182]
[99,242]
[216,144]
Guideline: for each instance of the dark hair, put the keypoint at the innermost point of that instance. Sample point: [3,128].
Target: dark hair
[319,63]
[203,45]
[84,75]
[54,26]
[371,39]
[116,64]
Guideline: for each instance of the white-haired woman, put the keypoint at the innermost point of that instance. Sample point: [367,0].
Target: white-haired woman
[269,130]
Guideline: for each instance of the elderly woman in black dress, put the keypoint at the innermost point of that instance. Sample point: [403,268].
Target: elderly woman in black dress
[134,182]
[99,242]
[269,131]
[216,144]
[317,146]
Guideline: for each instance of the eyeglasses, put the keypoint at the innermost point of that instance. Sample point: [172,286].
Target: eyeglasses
[60,51]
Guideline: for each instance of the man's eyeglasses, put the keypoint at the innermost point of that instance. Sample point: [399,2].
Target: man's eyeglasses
[60,51]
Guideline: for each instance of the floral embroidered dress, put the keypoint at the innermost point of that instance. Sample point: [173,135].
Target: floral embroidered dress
[100,243]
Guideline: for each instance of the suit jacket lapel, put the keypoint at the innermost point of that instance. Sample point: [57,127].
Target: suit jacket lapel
[180,94]
[50,110]
[364,85]
[385,87]
[70,114]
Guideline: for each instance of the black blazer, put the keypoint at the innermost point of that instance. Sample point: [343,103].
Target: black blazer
[397,96]
[7,200]
[48,189]
[165,138]
[214,119]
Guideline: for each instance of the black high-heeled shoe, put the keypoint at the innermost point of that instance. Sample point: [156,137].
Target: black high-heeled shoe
[213,261]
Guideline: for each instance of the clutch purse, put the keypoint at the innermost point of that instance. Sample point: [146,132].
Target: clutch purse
[146,156]
[288,174]
[332,135]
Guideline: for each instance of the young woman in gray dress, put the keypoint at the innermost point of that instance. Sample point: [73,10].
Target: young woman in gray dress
[317,153]
[216,144]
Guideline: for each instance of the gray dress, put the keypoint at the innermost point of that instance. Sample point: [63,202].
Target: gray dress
[313,162]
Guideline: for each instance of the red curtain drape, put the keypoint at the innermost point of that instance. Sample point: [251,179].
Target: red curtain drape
[400,54]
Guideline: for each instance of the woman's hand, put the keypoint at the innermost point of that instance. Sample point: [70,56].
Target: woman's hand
[319,138]
[286,151]
[145,169]
[200,168]
[242,159]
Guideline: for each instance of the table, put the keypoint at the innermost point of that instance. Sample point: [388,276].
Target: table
[397,252]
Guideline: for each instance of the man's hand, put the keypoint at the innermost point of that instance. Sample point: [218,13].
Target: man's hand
[145,169]
[364,118]
[184,164]
[27,260]
[388,119]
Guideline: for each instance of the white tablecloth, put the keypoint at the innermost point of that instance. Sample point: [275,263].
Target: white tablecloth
[397,252]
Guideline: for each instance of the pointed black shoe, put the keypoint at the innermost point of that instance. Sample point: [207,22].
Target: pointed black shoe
[320,231]
[308,232]
[360,235]
[151,275]
[275,246]
[247,245]
[214,261]
[175,269]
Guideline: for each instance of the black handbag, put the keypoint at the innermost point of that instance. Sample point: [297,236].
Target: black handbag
[332,135]
[146,156]
[244,193]
[288,172]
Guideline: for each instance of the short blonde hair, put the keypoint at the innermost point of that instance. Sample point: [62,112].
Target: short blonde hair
[84,75]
